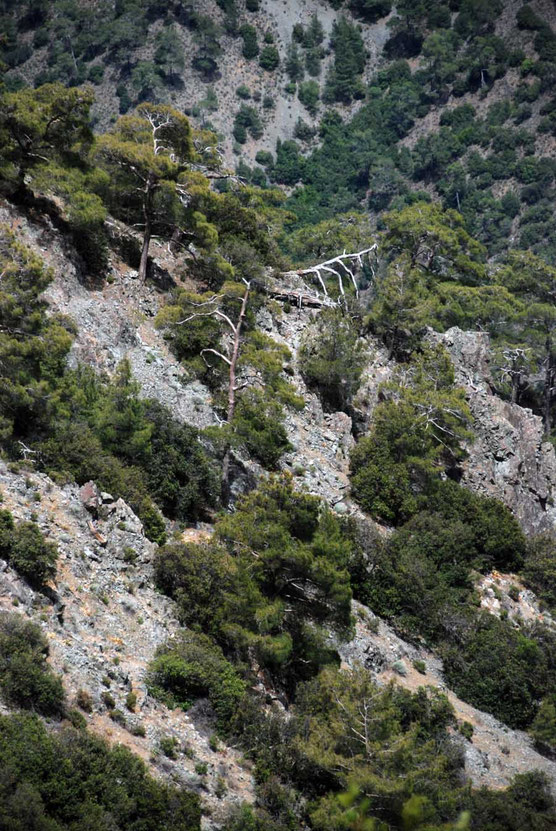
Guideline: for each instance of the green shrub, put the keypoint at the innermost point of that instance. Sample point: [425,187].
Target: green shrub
[180,476]
[426,566]
[543,728]
[332,359]
[73,779]
[527,19]
[35,359]
[77,719]
[244,608]
[264,158]
[198,577]
[371,10]
[156,454]
[398,465]
[498,669]
[30,554]
[25,679]
[466,729]
[247,120]
[259,428]
[308,94]
[288,167]
[118,717]
[108,700]
[303,131]
[269,58]
[191,667]
[169,745]
[525,804]
[250,46]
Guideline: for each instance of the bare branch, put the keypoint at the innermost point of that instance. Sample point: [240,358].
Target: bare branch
[215,352]
[355,259]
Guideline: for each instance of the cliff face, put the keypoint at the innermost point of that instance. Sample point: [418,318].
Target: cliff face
[508,459]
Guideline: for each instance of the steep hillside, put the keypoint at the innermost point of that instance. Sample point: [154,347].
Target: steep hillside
[357,106]
[103,619]
[277,416]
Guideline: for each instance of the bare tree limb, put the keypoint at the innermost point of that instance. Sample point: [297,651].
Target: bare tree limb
[355,259]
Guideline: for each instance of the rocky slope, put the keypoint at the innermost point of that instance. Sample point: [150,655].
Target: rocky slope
[234,70]
[104,620]
[508,458]
[495,753]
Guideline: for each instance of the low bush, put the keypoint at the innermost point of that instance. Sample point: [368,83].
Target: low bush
[539,571]
[26,680]
[331,360]
[498,669]
[25,548]
[259,428]
[71,779]
[190,667]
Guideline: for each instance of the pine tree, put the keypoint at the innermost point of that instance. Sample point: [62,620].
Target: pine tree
[146,153]
[39,125]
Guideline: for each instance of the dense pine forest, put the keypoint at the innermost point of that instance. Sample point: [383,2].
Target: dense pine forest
[277,377]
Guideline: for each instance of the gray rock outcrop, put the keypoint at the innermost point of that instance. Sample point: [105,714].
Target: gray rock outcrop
[508,458]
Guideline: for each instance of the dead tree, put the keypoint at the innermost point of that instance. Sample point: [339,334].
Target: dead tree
[514,371]
[338,266]
[230,357]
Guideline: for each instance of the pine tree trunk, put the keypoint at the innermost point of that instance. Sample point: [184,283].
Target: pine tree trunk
[147,215]
[548,385]
[232,389]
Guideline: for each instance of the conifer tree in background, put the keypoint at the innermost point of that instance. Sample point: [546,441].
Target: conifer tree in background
[39,125]
[533,282]
[169,54]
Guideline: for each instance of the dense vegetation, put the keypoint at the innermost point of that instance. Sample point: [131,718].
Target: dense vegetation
[267,600]
[26,680]
[72,780]
[486,166]
[269,585]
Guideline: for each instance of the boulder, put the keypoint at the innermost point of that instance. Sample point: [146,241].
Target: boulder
[90,497]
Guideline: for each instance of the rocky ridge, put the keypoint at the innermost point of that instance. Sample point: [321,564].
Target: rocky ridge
[508,458]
